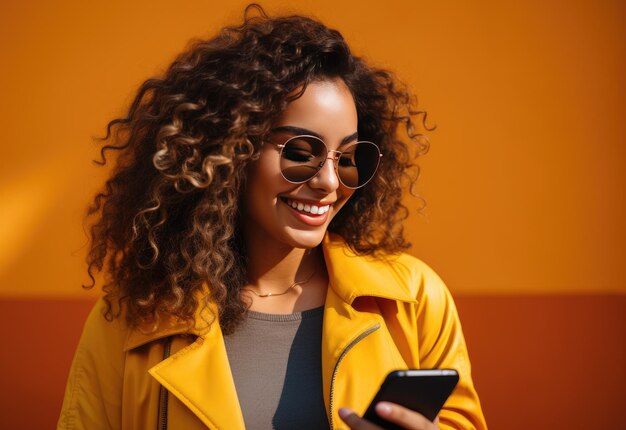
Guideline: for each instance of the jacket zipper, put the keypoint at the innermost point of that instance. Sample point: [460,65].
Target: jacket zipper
[163,393]
[341,356]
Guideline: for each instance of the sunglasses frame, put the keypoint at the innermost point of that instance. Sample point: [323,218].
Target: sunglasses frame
[335,158]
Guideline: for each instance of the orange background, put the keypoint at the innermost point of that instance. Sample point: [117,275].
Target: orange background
[524,181]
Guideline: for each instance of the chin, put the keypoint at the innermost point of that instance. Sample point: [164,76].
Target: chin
[305,239]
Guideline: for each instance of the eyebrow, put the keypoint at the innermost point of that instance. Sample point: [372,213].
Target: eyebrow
[299,130]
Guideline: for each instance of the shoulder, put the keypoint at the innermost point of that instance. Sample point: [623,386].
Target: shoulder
[94,386]
[102,341]
[422,282]
[413,268]
[101,351]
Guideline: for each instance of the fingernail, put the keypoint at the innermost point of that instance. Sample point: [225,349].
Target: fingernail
[383,408]
[344,412]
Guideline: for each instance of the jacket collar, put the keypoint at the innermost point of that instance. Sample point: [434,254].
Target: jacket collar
[169,326]
[353,275]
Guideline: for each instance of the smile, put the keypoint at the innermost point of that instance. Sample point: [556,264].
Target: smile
[308,208]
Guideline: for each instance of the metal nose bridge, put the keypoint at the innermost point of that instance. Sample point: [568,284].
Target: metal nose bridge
[335,157]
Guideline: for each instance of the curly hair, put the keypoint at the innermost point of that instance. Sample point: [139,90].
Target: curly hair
[167,221]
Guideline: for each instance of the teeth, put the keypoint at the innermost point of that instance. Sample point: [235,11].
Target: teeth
[312,209]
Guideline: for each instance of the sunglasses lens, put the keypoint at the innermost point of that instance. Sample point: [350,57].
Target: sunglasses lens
[301,158]
[358,164]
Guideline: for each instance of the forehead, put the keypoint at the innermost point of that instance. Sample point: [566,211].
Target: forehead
[326,108]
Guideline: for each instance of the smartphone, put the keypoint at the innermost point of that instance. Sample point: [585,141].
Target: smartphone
[422,390]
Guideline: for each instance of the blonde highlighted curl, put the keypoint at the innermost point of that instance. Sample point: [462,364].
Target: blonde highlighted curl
[167,222]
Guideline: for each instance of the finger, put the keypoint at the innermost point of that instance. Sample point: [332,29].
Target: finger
[354,421]
[404,417]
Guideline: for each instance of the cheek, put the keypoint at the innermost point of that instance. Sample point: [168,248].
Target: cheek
[263,182]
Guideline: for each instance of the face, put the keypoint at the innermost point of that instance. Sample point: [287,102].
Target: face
[279,212]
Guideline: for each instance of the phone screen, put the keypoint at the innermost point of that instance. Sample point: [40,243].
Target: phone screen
[422,390]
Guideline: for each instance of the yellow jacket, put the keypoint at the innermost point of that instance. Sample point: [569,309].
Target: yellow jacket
[378,316]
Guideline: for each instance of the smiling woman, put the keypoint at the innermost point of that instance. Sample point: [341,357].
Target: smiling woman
[251,238]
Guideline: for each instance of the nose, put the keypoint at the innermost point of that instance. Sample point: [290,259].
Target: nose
[326,179]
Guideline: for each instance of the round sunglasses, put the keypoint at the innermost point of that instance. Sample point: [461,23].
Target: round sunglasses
[302,157]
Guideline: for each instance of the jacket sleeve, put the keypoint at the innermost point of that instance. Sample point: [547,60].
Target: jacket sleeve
[93,394]
[442,345]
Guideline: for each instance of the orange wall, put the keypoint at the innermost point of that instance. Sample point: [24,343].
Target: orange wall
[525,179]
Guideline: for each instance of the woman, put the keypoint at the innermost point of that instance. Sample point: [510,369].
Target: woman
[250,237]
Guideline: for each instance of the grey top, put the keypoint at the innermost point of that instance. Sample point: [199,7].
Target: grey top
[277,368]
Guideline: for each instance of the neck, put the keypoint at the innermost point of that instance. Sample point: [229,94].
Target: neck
[269,268]
[273,269]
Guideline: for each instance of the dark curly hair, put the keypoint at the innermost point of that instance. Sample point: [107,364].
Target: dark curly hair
[167,222]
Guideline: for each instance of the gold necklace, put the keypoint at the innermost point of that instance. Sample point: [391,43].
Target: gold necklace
[263,295]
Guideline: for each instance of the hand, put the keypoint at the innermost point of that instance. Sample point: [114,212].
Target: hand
[392,412]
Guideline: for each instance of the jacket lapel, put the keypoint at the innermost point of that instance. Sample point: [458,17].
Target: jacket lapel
[343,329]
[200,377]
